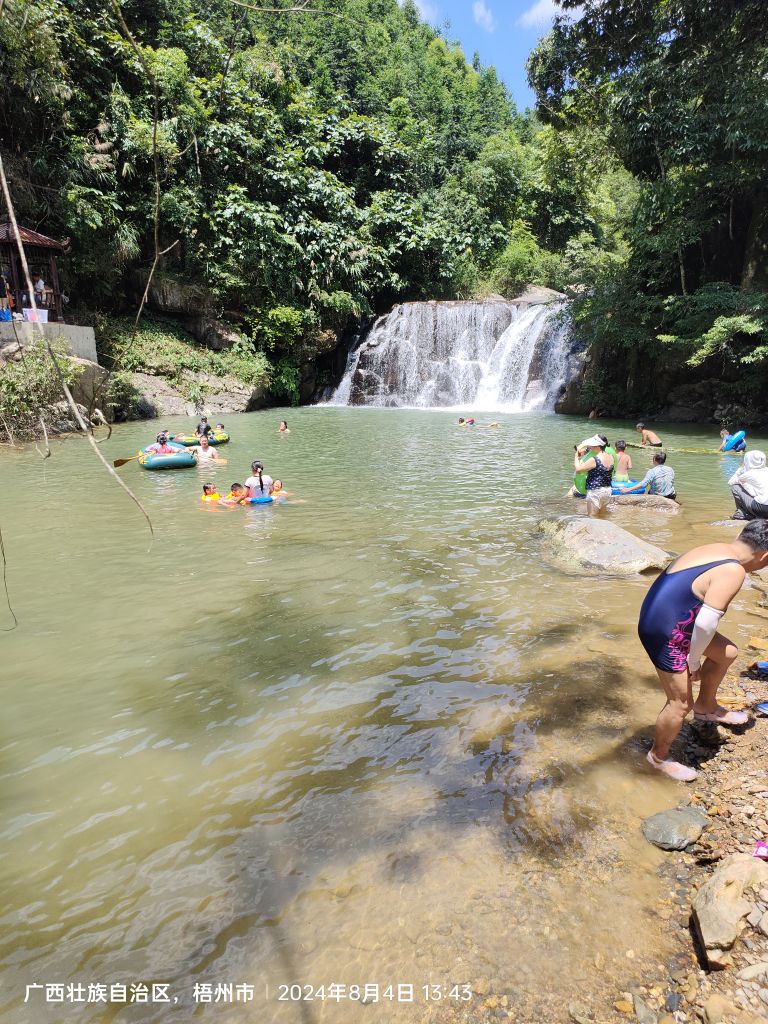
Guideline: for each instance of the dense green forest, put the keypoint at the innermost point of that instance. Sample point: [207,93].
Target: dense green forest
[310,169]
[313,167]
[677,92]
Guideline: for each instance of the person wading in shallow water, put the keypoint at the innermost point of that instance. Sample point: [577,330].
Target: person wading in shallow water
[599,469]
[678,627]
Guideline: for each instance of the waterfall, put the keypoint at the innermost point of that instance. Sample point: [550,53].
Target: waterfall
[490,356]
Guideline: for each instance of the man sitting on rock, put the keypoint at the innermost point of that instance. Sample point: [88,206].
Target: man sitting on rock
[659,479]
[678,628]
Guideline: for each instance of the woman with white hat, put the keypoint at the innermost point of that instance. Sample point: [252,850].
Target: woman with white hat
[749,487]
[599,470]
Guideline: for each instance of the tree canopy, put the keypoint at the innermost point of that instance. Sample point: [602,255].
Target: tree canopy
[331,162]
[675,90]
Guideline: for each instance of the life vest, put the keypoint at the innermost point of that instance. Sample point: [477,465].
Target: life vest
[211,497]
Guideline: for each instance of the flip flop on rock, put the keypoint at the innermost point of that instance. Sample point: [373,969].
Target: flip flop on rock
[722,717]
[675,770]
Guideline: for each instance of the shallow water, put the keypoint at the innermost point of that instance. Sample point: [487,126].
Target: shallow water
[364,737]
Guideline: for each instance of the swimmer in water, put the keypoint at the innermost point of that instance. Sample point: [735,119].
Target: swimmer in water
[648,436]
[276,490]
[204,451]
[725,437]
[238,495]
[283,428]
[210,493]
[678,629]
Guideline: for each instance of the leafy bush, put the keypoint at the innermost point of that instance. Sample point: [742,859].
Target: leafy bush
[165,350]
[285,382]
[29,387]
[522,262]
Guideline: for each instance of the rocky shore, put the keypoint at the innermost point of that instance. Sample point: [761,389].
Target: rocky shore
[713,907]
[717,892]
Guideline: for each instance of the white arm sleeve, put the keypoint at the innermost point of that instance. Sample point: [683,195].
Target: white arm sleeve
[735,478]
[704,628]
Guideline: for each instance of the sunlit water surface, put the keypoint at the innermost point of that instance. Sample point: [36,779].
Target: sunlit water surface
[364,737]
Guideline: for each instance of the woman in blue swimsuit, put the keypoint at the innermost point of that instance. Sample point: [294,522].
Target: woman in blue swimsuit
[678,626]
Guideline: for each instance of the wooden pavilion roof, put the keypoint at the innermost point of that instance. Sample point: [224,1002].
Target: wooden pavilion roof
[28,237]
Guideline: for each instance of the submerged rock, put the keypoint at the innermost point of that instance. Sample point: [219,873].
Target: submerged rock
[596,546]
[675,829]
[719,907]
[655,501]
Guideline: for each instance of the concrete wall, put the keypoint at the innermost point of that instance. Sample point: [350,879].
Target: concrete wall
[80,341]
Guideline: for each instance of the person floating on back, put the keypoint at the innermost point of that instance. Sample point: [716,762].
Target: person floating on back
[749,487]
[648,436]
[659,479]
[678,628]
[725,437]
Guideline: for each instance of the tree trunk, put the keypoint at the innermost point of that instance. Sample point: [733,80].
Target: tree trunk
[754,274]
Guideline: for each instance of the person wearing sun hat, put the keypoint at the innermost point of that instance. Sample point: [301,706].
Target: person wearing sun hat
[599,469]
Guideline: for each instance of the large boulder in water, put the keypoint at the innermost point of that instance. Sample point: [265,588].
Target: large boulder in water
[597,546]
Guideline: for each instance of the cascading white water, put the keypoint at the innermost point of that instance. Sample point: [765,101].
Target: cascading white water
[493,356]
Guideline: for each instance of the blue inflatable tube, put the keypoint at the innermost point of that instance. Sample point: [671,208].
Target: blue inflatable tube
[627,483]
[615,489]
[735,442]
[266,500]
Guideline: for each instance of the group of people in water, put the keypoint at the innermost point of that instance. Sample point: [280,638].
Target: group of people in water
[679,618]
[204,451]
[602,468]
[258,487]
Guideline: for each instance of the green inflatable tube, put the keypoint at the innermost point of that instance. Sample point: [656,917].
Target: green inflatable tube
[152,460]
[580,479]
[190,440]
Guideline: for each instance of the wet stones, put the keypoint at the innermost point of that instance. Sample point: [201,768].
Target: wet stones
[676,829]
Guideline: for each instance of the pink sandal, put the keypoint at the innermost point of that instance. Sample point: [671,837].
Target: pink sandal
[675,770]
[722,717]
